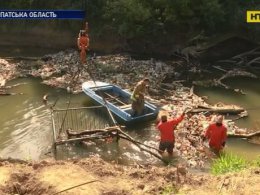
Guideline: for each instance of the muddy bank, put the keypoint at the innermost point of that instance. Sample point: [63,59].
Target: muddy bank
[49,177]
[53,40]
[244,182]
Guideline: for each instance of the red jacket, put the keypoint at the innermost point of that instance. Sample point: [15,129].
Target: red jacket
[167,128]
[217,135]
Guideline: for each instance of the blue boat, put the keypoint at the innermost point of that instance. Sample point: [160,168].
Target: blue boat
[118,102]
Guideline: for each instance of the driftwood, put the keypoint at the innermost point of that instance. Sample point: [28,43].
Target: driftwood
[104,131]
[245,59]
[228,74]
[220,110]
[4,89]
[237,72]
[247,135]
[239,56]
[234,73]
[72,133]
[22,58]
[89,138]
[219,68]
[5,93]
[114,131]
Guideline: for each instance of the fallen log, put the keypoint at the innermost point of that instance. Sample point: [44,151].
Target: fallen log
[59,142]
[106,133]
[237,73]
[244,135]
[110,130]
[255,60]
[218,110]
[5,93]
[219,68]
[241,55]
[22,58]
[72,133]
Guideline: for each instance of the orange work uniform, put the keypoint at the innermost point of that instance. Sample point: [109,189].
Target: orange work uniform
[83,42]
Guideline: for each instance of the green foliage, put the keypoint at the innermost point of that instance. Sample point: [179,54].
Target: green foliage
[228,163]
[158,22]
[168,190]
[160,18]
[257,162]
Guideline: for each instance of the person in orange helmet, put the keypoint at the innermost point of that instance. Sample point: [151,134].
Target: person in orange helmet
[83,43]
[216,133]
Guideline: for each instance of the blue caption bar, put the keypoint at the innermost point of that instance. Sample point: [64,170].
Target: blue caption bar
[42,14]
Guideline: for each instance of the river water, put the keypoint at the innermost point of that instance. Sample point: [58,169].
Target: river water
[250,101]
[26,128]
[26,131]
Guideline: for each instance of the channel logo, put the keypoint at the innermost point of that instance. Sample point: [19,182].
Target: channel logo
[253,16]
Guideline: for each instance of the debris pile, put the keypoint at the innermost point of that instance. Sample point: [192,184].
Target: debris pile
[7,72]
[64,70]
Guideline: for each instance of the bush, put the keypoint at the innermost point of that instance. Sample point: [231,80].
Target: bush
[228,163]
[257,162]
[168,190]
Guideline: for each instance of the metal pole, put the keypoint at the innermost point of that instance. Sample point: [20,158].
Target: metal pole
[54,131]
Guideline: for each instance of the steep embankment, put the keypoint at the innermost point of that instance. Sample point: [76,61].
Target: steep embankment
[49,177]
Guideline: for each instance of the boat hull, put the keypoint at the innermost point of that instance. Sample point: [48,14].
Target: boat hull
[118,102]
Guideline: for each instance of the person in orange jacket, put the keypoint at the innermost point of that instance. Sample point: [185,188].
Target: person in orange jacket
[166,128]
[216,133]
[83,43]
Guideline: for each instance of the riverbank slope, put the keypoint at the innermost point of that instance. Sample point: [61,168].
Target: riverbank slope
[50,177]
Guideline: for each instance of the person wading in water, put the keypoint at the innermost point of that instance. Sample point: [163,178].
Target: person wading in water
[216,133]
[166,128]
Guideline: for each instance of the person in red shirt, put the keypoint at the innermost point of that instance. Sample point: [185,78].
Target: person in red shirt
[216,133]
[166,128]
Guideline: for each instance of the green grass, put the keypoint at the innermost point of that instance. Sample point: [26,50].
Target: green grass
[256,162]
[169,190]
[228,162]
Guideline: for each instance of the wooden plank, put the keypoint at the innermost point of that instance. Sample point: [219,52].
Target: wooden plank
[126,106]
[115,98]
